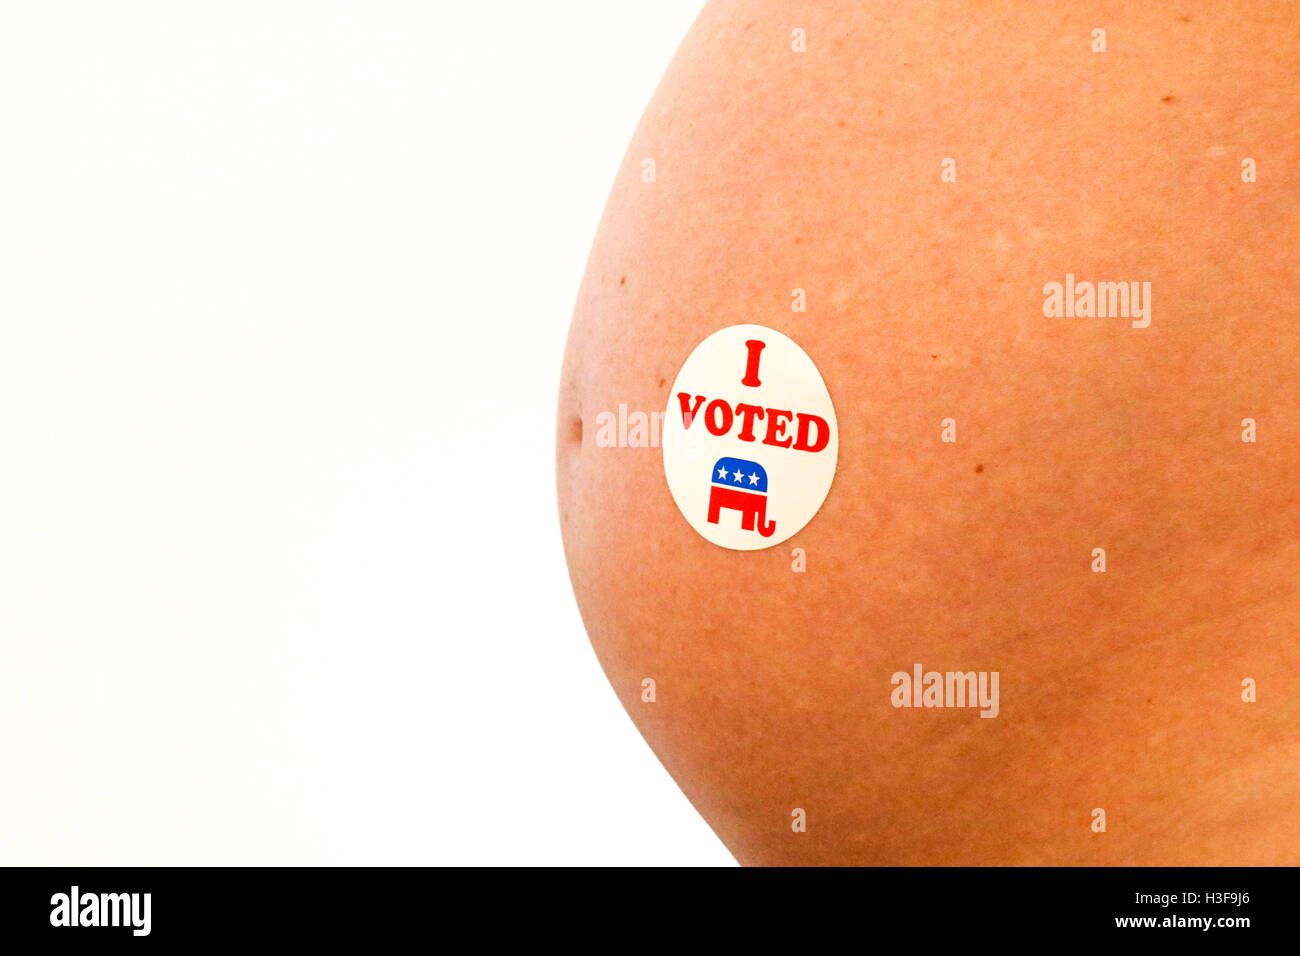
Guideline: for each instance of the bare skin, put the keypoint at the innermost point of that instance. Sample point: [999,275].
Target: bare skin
[778,170]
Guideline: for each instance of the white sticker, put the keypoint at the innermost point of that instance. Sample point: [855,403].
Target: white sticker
[750,441]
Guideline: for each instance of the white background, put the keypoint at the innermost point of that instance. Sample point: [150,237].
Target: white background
[283,296]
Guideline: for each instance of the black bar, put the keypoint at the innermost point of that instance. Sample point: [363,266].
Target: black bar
[385,906]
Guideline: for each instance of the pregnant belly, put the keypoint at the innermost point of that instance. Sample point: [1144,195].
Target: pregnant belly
[1047,611]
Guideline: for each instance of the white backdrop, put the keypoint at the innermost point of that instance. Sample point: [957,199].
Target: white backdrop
[283,295]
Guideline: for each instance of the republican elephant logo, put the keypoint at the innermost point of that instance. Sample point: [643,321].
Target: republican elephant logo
[740,485]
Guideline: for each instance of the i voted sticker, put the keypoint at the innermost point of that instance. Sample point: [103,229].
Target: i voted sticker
[750,441]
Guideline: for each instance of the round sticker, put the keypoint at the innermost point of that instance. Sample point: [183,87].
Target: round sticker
[750,441]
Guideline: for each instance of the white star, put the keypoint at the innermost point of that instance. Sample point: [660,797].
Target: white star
[722,473]
[739,477]
[753,478]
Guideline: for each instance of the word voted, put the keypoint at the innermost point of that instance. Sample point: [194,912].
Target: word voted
[811,434]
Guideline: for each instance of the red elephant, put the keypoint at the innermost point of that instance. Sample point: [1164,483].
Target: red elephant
[740,485]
